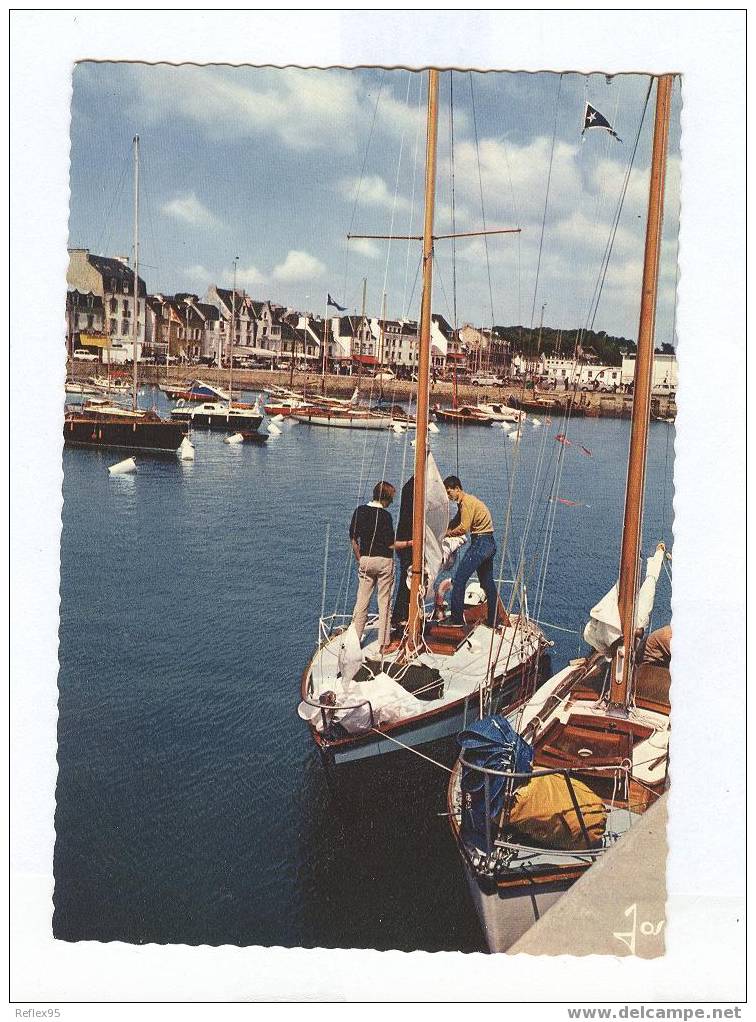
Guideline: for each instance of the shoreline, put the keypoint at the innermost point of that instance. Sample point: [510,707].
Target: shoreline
[544,402]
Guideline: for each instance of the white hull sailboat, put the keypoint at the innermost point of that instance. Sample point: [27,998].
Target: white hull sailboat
[435,678]
[595,738]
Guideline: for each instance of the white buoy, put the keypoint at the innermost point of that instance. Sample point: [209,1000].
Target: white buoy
[504,426]
[433,428]
[186,450]
[235,438]
[535,422]
[277,418]
[273,429]
[398,428]
[127,465]
[514,436]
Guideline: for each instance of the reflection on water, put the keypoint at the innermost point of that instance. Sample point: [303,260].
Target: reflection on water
[191,806]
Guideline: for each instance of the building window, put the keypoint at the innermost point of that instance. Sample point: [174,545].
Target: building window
[124,326]
[126,287]
[112,326]
[125,307]
[90,322]
[113,305]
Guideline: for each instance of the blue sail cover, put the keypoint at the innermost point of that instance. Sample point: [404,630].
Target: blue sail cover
[492,743]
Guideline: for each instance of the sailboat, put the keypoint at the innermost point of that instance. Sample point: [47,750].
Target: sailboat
[219,410]
[359,703]
[591,756]
[108,425]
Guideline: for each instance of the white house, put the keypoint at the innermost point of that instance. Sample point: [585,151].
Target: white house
[664,371]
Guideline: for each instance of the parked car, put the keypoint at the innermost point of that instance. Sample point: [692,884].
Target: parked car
[486,380]
[663,390]
[82,355]
[385,375]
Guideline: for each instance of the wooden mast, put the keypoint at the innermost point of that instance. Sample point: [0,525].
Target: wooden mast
[622,664]
[135,353]
[416,608]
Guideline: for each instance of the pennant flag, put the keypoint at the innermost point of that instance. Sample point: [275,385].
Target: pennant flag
[587,453]
[341,308]
[594,119]
[562,439]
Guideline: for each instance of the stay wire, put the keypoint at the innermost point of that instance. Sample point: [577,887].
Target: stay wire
[546,203]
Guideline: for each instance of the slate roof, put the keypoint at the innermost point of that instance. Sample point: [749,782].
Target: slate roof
[114,269]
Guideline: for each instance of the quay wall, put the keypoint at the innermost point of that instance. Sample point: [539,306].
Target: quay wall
[585,403]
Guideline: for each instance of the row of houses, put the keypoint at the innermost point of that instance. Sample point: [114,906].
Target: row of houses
[100,311]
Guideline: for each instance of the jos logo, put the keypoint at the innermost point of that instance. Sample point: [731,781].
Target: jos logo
[646,928]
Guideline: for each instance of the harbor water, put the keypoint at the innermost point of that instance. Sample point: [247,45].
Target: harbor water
[191,804]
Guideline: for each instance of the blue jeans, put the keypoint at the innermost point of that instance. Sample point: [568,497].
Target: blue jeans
[479,557]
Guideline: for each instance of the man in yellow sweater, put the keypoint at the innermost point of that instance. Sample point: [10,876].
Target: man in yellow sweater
[475,518]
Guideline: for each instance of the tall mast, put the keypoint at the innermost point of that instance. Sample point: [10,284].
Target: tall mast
[416,609]
[233,336]
[631,534]
[135,353]
[362,332]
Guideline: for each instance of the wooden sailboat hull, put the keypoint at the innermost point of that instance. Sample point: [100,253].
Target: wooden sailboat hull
[322,418]
[151,434]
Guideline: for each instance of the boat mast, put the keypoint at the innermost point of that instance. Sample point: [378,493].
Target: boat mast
[135,353]
[362,333]
[233,335]
[416,608]
[622,664]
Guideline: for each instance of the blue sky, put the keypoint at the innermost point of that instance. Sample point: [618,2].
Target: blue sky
[278,165]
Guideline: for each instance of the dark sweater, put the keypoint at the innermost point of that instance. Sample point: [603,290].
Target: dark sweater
[373,530]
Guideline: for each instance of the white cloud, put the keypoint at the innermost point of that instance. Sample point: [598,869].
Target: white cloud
[246,276]
[365,247]
[197,272]
[303,108]
[298,266]
[371,191]
[190,210]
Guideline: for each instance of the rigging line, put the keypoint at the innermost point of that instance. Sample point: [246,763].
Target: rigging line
[599,286]
[108,224]
[394,203]
[454,250]
[546,203]
[480,186]
[418,132]
[362,174]
[409,748]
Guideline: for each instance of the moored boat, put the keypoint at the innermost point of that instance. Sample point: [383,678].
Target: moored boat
[501,413]
[220,415]
[362,700]
[591,750]
[102,424]
[464,415]
[196,390]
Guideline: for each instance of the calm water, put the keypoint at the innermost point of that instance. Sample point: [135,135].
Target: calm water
[191,805]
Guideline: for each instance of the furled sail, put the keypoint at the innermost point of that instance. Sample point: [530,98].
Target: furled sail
[604,628]
[436,520]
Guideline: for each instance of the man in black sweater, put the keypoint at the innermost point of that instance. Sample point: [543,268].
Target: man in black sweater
[372,534]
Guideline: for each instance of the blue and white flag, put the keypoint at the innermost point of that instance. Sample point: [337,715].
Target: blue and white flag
[594,119]
[341,308]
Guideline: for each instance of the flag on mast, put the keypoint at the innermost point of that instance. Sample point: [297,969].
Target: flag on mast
[341,308]
[594,119]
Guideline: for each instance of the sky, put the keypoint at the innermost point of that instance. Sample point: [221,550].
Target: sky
[277,167]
